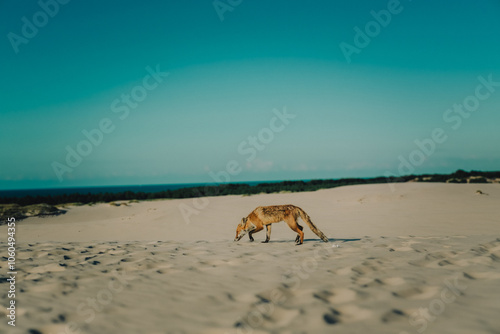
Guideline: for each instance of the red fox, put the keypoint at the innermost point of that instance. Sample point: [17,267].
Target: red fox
[266,215]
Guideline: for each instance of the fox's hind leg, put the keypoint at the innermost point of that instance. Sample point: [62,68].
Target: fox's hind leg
[298,236]
[268,233]
[292,223]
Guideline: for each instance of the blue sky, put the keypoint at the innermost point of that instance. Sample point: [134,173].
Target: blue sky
[353,116]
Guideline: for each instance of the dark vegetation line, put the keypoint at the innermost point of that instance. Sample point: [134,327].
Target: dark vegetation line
[459,176]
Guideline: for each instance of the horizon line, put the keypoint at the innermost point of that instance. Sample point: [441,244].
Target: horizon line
[197,184]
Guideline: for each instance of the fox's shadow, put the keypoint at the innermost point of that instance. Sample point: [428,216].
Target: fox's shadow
[334,240]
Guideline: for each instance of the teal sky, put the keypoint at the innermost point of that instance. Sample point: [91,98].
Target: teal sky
[353,117]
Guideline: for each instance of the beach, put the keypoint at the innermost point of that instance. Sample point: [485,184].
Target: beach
[401,258]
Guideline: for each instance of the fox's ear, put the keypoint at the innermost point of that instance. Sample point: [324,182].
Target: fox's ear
[243,221]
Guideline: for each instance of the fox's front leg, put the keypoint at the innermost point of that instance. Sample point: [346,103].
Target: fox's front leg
[254,230]
[268,233]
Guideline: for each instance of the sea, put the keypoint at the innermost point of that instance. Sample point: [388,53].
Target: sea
[109,189]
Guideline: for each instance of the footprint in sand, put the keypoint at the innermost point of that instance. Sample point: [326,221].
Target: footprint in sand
[332,318]
[346,314]
[436,260]
[393,281]
[52,267]
[275,316]
[406,246]
[416,293]
[337,296]
[369,266]
[390,281]
[282,317]
[482,275]
[276,295]
[394,315]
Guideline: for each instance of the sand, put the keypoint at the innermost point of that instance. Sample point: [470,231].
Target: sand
[407,258]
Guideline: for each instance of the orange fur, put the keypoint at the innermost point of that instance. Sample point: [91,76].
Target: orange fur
[264,216]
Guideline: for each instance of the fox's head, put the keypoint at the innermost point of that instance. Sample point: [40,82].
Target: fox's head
[241,229]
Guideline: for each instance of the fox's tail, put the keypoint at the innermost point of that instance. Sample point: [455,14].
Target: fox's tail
[305,217]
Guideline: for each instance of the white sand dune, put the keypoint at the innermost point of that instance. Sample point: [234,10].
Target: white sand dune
[424,257]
